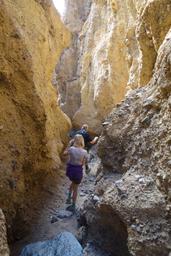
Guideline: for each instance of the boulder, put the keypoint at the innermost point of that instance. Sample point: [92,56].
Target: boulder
[63,244]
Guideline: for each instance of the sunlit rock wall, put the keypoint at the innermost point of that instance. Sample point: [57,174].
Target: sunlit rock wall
[68,68]
[32,127]
[135,147]
[117,50]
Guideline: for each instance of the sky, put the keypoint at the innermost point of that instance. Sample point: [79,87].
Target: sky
[59,5]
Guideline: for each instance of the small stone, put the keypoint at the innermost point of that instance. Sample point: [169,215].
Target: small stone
[62,214]
[138,229]
[96,199]
[105,123]
[142,180]
[169,163]
[168,207]
[53,219]
[137,221]
[133,226]
[119,181]
[82,194]
[151,103]
[137,177]
[146,121]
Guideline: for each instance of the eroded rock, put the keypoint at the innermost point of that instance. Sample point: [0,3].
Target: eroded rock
[63,244]
[113,56]
[136,145]
[33,128]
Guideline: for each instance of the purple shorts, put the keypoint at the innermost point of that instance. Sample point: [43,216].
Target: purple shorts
[74,173]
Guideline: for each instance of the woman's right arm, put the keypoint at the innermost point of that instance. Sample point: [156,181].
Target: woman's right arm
[70,144]
[66,151]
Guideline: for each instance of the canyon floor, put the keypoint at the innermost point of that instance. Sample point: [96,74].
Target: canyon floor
[44,225]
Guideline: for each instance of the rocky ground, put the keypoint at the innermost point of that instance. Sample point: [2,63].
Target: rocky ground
[51,217]
[116,214]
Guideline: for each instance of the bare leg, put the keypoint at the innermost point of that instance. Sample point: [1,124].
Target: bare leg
[75,192]
[71,188]
[68,201]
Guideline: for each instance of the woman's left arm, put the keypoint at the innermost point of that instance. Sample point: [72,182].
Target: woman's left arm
[65,152]
[85,159]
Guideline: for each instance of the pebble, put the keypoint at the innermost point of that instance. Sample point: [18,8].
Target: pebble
[169,162]
[82,194]
[105,123]
[133,226]
[137,221]
[96,199]
[141,180]
[118,181]
[53,219]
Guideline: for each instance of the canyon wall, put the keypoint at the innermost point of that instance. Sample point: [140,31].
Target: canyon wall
[131,202]
[68,69]
[116,47]
[33,129]
[4,250]
[133,194]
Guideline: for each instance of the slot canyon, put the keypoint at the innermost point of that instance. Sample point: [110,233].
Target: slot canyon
[107,64]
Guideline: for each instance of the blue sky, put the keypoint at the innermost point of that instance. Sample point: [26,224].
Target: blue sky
[59,5]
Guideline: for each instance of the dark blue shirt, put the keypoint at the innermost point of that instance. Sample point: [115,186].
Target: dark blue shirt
[85,135]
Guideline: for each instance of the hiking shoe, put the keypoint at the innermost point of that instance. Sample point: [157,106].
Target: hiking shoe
[68,201]
[87,169]
[71,208]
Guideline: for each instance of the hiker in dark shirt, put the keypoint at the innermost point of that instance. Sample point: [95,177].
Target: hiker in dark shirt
[87,138]
[89,142]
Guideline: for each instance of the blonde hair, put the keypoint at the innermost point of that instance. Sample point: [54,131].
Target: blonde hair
[79,141]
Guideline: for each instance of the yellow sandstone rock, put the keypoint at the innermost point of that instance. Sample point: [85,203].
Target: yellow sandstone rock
[118,46]
[32,127]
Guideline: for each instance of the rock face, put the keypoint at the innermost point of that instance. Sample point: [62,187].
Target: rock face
[116,51]
[63,244]
[4,251]
[32,126]
[68,69]
[135,190]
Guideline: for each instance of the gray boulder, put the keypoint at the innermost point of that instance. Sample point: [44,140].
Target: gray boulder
[64,244]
